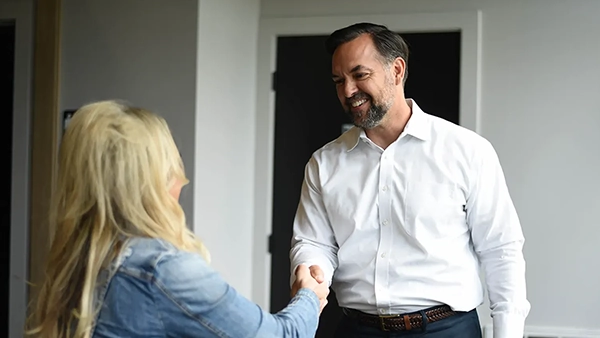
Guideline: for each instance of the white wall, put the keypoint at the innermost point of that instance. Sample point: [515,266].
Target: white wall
[140,51]
[540,110]
[226,96]
[194,62]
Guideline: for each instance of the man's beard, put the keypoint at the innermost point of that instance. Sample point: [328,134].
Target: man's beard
[373,116]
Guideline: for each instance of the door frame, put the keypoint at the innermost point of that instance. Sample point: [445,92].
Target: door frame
[21,13]
[469,23]
[45,133]
[36,126]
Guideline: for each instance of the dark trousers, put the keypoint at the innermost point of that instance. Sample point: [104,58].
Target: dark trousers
[461,325]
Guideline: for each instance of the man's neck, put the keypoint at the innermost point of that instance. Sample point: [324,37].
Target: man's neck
[391,126]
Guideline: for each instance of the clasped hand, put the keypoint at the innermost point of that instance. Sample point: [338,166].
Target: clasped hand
[311,278]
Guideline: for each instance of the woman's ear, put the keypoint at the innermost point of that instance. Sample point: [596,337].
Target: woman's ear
[175,190]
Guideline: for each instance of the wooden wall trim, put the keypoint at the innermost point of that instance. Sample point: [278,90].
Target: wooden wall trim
[44,132]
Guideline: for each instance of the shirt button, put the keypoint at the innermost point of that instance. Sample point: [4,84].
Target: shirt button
[385,222]
[382,311]
[383,255]
[384,188]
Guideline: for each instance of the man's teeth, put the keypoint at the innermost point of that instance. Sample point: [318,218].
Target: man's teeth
[358,103]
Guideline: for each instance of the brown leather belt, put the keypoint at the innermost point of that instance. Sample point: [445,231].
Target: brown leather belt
[401,322]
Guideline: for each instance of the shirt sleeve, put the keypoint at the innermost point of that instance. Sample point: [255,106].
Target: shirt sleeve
[498,241]
[194,301]
[313,241]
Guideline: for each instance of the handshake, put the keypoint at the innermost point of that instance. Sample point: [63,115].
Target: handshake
[311,278]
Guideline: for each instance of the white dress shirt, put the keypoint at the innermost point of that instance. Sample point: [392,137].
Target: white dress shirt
[401,229]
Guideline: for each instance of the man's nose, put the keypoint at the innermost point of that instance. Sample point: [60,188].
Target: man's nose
[349,89]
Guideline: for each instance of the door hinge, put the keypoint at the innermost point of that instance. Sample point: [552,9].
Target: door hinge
[274,81]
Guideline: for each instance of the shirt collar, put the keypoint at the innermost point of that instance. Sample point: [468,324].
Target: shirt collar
[417,126]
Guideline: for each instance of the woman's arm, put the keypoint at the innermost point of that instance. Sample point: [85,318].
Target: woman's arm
[194,301]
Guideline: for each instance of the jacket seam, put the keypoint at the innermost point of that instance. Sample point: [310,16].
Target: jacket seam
[152,279]
[184,309]
[159,315]
[206,325]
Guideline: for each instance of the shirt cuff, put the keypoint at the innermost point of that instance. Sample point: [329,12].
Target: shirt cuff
[508,326]
[305,292]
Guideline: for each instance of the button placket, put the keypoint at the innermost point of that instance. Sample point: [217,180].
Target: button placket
[385,232]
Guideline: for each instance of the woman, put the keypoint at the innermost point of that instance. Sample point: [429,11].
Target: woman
[123,263]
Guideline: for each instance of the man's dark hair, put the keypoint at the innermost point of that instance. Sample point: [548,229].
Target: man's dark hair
[390,45]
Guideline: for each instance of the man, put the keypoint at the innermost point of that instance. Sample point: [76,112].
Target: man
[398,212]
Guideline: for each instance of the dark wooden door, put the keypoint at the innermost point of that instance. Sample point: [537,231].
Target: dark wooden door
[7,69]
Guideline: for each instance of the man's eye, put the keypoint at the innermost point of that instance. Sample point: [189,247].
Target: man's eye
[360,75]
[338,81]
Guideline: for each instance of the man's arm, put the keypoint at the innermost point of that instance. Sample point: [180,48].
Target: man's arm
[313,241]
[498,240]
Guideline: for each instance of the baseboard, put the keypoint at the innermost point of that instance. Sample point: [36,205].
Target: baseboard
[549,332]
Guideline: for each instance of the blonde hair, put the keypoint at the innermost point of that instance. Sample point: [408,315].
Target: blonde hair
[116,167]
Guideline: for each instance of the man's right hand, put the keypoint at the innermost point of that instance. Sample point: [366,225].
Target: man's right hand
[311,278]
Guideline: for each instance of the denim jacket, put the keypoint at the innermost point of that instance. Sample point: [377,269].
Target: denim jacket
[153,289]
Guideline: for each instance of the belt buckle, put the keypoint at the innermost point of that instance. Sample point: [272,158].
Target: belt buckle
[382,321]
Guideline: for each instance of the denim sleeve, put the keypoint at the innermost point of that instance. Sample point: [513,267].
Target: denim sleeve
[194,301]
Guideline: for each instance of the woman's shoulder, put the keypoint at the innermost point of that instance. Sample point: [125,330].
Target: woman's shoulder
[179,274]
[159,257]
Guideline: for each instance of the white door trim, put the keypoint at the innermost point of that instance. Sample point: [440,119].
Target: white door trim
[21,12]
[469,23]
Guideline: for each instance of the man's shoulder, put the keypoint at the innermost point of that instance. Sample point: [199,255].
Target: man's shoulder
[340,145]
[456,136]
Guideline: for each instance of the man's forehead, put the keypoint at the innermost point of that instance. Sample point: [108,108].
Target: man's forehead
[369,64]
[358,52]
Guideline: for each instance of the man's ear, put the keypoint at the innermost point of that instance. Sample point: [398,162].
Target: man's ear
[399,69]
